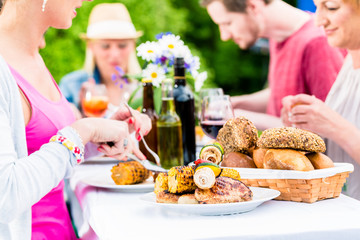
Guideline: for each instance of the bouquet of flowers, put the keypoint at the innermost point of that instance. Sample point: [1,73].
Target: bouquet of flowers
[159,60]
[159,57]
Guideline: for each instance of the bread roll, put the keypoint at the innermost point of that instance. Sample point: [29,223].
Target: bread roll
[237,135]
[238,160]
[291,138]
[320,160]
[287,159]
[258,156]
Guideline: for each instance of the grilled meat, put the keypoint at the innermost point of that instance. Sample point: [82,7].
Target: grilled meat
[166,197]
[129,172]
[225,190]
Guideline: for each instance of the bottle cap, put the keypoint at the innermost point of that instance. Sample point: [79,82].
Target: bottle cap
[146,80]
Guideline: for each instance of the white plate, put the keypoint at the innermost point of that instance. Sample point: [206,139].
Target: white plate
[260,195]
[105,181]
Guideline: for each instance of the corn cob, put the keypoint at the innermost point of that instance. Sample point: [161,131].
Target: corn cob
[161,183]
[181,179]
[231,173]
[129,172]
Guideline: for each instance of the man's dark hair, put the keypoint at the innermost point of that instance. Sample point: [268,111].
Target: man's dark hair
[231,5]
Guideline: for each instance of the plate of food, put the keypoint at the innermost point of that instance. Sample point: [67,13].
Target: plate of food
[206,189]
[126,176]
[260,195]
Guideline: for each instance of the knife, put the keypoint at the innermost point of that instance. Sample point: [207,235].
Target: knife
[147,164]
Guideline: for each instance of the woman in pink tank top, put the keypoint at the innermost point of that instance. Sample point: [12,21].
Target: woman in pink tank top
[50,218]
[37,151]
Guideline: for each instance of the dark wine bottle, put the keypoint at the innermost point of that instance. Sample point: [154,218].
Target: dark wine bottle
[185,108]
[149,109]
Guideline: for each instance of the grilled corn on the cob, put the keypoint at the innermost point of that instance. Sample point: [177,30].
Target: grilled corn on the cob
[129,172]
[231,173]
[181,179]
[161,183]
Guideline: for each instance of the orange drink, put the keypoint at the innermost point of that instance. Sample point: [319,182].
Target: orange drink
[95,106]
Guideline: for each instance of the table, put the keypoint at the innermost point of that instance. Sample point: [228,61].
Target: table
[116,215]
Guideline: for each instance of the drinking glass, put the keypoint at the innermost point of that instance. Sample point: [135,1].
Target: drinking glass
[215,111]
[211,92]
[207,92]
[95,100]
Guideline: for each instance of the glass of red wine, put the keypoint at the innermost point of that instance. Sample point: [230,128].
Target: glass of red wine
[215,111]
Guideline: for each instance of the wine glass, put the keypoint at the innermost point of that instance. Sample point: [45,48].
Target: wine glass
[215,111]
[95,101]
[207,92]
[211,92]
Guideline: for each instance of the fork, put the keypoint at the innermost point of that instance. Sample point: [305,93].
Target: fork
[157,159]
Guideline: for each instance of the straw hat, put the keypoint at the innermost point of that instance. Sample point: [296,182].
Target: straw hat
[110,21]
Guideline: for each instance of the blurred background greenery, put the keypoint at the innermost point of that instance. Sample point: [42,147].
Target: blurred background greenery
[236,71]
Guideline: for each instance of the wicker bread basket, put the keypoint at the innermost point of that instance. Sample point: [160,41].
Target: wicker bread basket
[299,186]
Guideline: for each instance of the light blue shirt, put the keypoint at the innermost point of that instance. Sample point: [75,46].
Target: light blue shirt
[70,84]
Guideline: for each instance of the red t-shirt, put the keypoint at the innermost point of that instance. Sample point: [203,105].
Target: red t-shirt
[303,63]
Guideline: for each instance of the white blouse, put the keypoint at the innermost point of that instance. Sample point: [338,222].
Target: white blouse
[344,98]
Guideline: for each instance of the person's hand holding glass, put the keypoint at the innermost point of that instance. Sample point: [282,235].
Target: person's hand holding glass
[215,111]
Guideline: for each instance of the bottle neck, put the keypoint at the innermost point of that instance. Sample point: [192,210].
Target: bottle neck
[179,71]
[148,96]
[167,98]
[179,81]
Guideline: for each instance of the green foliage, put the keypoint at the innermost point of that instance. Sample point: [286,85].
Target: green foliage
[234,70]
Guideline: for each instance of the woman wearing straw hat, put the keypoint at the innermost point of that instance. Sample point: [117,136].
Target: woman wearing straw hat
[110,46]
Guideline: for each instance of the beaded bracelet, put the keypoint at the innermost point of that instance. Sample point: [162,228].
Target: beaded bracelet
[78,153]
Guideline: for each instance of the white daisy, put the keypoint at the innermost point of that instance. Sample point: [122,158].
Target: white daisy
[199,79]
[170,43]
[148,51]
[193,62]
[183,51]
[155,72]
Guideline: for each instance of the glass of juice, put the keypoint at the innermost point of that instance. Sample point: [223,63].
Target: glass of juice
[95,101]
[215,111]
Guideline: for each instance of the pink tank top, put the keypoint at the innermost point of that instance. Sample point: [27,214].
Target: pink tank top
[50,218]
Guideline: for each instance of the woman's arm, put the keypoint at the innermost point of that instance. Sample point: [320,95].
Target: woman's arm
[307,112]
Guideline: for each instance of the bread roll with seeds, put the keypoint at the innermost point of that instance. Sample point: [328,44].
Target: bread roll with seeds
[292,138]
[237,135]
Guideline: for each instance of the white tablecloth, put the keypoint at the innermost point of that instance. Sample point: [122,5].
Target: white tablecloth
[117,215]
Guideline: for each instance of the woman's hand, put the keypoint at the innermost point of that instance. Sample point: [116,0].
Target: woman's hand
[101,131]
[137,121]
[309,113]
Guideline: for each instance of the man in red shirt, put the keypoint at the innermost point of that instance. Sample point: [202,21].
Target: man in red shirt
[301,61]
